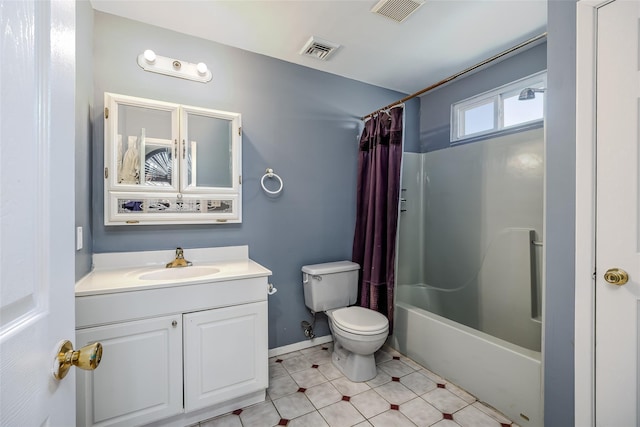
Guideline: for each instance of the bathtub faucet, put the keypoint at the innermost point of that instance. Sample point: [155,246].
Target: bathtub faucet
[179,261]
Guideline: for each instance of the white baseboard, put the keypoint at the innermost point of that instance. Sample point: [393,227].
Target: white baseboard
[299,345]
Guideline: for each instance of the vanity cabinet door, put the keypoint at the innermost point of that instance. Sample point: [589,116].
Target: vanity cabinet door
[225,354]
[140,375]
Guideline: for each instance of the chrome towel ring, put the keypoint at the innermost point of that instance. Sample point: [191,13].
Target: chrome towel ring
[270,174]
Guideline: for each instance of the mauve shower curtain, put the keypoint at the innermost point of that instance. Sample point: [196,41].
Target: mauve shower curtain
[378,196]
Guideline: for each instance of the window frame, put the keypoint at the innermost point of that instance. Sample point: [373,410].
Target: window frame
[496,97]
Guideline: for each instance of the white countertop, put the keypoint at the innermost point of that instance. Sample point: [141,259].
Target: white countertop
[120,272]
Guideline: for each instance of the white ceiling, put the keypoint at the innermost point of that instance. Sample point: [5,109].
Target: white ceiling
[441,38]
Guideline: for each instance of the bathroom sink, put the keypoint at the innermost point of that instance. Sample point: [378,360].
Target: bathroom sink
[179,273]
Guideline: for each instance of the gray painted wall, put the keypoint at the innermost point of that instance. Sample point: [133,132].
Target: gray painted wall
[83,149]
[302,123]
[560,215]
[435,108]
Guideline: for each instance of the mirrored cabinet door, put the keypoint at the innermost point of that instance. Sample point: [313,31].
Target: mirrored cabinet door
[210,150]
[144,142]
[170,163]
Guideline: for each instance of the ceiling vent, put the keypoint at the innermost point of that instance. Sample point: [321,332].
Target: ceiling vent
[398,10]
[319,49]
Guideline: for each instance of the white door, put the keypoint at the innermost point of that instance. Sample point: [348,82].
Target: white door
[617,214]
[37,71]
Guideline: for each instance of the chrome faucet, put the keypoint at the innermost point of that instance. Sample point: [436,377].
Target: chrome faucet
[179,261]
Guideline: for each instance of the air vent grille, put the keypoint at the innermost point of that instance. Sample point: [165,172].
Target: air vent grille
[319,49]
[398,10]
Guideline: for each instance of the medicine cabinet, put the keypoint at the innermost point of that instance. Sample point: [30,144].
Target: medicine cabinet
[167,163]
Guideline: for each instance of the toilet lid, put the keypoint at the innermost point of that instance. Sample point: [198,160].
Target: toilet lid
[360,320]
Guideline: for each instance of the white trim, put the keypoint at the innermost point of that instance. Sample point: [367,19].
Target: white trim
[299,345]
[584,358]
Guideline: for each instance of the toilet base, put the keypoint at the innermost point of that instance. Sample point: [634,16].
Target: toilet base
[356,367]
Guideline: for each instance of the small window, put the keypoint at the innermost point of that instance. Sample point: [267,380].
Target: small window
[499,109]
[478,117]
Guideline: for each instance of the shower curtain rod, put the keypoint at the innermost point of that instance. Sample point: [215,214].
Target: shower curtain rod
[465,71]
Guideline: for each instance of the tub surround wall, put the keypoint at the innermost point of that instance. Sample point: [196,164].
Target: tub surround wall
[301,122]
[472,207]
[411,222]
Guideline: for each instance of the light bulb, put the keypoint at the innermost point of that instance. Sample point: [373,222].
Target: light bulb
[202,68]
[149,56]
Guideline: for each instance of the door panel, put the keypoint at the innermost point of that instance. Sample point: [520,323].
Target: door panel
[224,354]
[37,131]
[140,376]
[617,227]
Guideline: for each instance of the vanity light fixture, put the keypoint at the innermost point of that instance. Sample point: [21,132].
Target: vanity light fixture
[149,56]
[149,61]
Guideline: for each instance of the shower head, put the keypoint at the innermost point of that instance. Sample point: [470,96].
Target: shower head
[530,93]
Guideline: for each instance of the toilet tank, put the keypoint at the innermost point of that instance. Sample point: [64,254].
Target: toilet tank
[330,285]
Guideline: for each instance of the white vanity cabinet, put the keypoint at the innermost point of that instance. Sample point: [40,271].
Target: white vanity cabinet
[167,163]
[173,355]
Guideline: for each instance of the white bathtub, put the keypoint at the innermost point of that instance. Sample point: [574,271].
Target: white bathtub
[503,375]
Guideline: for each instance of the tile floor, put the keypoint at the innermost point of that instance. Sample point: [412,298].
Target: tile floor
[306,390]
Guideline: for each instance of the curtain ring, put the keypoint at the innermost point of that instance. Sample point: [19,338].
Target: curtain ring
[270,174]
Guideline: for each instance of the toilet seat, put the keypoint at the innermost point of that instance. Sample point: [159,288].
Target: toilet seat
[359,320]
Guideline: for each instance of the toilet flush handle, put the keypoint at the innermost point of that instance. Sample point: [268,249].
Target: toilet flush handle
[305,278]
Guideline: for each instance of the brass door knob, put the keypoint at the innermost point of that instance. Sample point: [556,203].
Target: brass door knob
[616,276]
[87,358]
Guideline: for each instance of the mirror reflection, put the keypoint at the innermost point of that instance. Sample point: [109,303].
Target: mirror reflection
[144,146]
[157,163]
[210,151]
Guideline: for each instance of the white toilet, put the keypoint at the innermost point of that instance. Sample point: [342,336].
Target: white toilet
[357,332]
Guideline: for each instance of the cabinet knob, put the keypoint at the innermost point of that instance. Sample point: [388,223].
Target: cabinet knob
[174,323]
